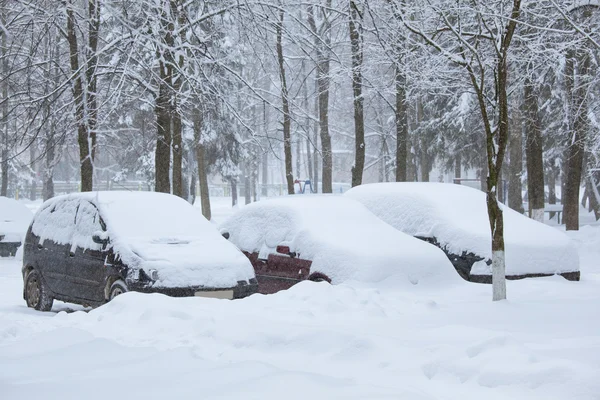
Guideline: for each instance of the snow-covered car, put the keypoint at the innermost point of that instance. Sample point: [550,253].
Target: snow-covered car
[455,219]
[87,248]
[14,220]
[328,238]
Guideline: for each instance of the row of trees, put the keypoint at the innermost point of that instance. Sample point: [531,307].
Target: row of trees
[177,90]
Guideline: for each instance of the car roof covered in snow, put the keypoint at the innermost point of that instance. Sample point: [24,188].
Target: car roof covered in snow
[456,216]
[147,230]
[14,220]
[341,238]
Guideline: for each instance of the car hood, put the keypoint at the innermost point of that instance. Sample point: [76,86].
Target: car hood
[187,261]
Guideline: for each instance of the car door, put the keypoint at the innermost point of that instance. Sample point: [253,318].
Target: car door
[85,268]
[49,244]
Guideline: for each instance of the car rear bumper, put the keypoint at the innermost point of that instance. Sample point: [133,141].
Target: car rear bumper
[9,249]
[241,290]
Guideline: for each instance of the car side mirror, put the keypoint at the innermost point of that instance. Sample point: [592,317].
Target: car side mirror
[285,250]
[100,238]
[225,235]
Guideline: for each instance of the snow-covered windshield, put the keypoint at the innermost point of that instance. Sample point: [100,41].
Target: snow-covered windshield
[155,216]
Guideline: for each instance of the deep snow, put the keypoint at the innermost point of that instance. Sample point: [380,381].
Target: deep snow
[314,341]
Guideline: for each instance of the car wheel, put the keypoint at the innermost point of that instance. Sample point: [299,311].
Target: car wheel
[319,277]
[36,292]
[117,288]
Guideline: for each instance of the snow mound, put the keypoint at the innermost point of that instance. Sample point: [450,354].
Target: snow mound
[14,220]
[456,216]
[147,230]
[341,237]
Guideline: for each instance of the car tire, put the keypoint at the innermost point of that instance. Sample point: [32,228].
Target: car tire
[37,295]
[117,288]
[319,277]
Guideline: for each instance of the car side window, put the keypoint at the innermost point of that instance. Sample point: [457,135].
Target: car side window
[88,222]
[56,222]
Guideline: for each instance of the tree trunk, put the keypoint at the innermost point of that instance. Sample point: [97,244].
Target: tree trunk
[234,194]
[4,116]
[307,125]
[315,178]
[534,151]
[323,47]
[515,170]
[457,166]
[177,148]
[200,160]
[287,143]
[247,186]
[356,42]
[401,125]
[265,174]
[162,158]
[577,85]
[83,133]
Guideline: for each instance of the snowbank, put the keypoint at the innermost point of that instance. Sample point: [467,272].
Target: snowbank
[341,237]
[456,216]
[147,230]
[14,220]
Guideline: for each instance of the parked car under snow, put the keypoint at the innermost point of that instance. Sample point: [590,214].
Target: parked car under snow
[328,238]
[14,220]
[455,219]
[87,248]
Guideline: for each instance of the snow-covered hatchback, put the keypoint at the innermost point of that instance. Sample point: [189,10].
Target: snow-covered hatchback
[87,248]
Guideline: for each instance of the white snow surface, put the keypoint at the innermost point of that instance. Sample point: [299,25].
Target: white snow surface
[14,220]
[153,231]
[457,217]
[316,341]
[342,238]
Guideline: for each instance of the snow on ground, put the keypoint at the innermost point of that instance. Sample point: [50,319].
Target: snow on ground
[314,340]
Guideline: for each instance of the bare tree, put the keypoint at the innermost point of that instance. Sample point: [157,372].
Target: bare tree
[472,36]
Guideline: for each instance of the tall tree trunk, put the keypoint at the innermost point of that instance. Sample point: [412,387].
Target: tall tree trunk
[307,127]
[162,158]
[202,168]
[323,46]
[577,84]
[534,151]
[287,142]
[84,138]
[177,13]
[515,170]
[356,42]
[315,178]
[4,116]
[401,125]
